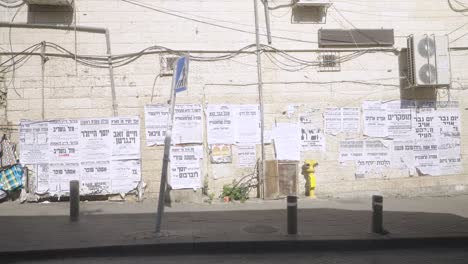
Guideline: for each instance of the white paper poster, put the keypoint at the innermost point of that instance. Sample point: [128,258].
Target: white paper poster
[312,137]
[42,177]
[449,155]
[247,155]
[350,119]
[287,141]
[95,139]
[332,121]
[376,158]
[403,154]
[220,124]
[426,156]
[126,175]
[375,119]
[125,137]
[425,124]
[60,175]
[96,177]
[64,136]
[186,167]
[156,120]
[188,127]
[221,153]
[398,119]
[34,145]
[248,124]
[351,150]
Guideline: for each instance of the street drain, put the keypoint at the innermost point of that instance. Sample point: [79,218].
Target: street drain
[260,229]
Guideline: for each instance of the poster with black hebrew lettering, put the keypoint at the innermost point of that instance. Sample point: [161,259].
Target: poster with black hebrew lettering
[34,142]
[95,139]
[126,175]
[220,124]
[64,138]
[375,119]
[96,177]
[188,126]
[312,137]
[125,137]
[60,175]
[186,167]
[156,120]
[248,123]
[399,119]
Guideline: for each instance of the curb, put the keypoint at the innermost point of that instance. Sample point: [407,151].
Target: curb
[224,247]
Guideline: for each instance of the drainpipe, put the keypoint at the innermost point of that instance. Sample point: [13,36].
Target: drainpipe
[98,30]
[260,99]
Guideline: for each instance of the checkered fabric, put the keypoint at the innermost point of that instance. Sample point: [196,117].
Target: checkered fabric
[12,178]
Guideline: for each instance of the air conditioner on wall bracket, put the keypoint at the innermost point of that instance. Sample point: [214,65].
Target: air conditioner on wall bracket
[50,2]
[318,3]
[428,61]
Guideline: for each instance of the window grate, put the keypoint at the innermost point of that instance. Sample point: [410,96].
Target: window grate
[329,62]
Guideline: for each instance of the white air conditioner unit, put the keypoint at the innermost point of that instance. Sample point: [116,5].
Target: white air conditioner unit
[428,61]
[318,3]
[50,2]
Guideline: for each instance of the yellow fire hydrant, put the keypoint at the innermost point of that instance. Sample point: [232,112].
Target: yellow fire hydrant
[308,170]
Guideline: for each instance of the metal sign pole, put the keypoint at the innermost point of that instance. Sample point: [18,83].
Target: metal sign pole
[176,84]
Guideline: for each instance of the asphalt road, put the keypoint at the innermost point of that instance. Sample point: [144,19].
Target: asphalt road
[413,256]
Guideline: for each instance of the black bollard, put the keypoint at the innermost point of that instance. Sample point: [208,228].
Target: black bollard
[377,214]
[74,200]
[292,214]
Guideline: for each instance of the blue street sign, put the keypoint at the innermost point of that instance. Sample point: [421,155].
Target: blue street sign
[181,74]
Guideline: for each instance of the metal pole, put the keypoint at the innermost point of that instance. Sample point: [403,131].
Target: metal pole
[267,20]
[165,166]
[260,99]
[292,214]
[43,61]
[377,214]
[111,74]
[74,200]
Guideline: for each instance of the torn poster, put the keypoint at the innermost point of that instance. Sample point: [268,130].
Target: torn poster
[426,158]
[221,153]
[220,125]
[248,124]
[42,177]
[126,175]
[185,167]
[96,177]
[312,138]
[332,121]
[246,155]
[351,150]
[60,175]
[95,139]
[64,138]
[449,121]
[188,127]
[34,144]
[403,154]
[287,141]
[399,119]
[375,119]
[449,155]
[376,158]
[125,137]
[156,120]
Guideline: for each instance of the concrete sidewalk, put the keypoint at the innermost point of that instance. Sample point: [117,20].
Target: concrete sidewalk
[36,229]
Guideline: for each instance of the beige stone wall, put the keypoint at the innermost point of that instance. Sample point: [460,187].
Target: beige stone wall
[74,91]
